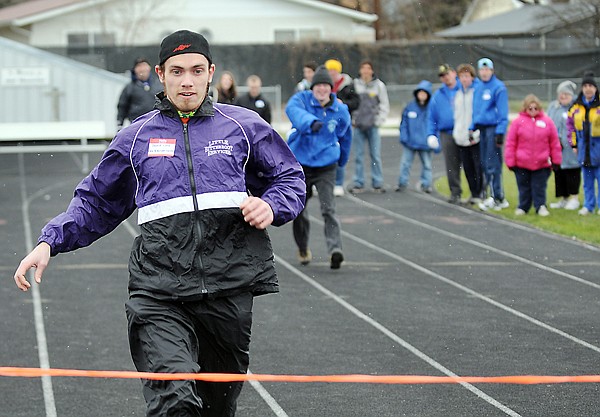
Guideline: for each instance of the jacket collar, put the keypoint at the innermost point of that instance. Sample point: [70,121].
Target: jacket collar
[165,106]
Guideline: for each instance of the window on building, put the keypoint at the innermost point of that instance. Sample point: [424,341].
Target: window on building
[285,35]
[309,34]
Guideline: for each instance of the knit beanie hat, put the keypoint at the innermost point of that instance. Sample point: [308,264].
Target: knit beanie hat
[321,77]
[568,87]
[183,42]
[333,64]
[588,78]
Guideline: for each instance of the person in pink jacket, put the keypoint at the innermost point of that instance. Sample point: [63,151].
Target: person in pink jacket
[532,148]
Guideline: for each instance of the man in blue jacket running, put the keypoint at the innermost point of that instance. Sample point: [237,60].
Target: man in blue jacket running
[490,117]
[320,138]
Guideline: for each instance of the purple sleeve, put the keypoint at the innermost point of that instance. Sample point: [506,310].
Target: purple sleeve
[274,174]
[101,201]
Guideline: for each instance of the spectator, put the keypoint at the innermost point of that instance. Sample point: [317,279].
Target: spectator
[466,139]
[321,137]
[308,70]
[582,127]
[490,117]
[567,176]
[371,113]
[203,252]
[254,100]
[413,137]
[440,125]
[138,97]
[532,147]
[225,91]
[343,87]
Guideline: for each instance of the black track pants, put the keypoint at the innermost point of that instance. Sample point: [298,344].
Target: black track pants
[199,336]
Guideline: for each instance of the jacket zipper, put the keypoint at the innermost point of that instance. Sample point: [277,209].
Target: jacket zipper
[188,154]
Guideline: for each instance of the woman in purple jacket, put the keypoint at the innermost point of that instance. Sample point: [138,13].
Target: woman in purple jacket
[532,148]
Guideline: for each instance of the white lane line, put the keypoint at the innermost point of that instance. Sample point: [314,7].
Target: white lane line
[432,362]
[466,289]
[479,244]
[506,222]
[264,394]
[40,330]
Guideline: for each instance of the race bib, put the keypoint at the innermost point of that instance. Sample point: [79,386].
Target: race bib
[161,147]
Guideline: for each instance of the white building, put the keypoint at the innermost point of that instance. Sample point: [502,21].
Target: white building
[38,86]
[84,23]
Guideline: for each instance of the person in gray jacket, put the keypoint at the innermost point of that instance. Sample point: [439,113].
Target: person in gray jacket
[371,113]
[567,176]
[206,180]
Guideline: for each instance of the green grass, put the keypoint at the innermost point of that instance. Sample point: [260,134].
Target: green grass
[563,222]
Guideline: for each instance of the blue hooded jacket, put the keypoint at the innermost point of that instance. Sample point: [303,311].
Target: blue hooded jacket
[441,110]
[413,126]
[331,144]
[490,105]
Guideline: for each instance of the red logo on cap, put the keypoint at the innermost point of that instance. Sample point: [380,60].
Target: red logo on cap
[182,47]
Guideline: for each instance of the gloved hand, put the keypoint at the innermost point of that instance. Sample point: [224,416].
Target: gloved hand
[433,142]
[316,126]
[499,139]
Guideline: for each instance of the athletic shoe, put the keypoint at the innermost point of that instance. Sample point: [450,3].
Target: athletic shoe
[400,188]
[501,204]
[543,211]
[353,189]
[487,204]
[583,212]
[454,199]
[338,191]
[337,257]
[572,204]
[304,257]
[561,204]
[379,190]
[475,200]
[426,189]
[520,212]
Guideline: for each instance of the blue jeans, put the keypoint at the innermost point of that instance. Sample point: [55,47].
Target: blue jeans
[532,187]
[371,136]
[591,176]
[491,161]
[406,163]
[339,175]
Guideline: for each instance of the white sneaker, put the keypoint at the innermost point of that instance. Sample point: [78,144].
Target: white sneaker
[583,212]
[543,211]
[572,204]
[338,190]
[501,204]
[560,204]
[520,212]
[487,204]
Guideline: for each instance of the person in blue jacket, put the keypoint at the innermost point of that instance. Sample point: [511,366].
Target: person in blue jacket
[440,124]
[206,180]
[490,117]
[320,138]
[413,137]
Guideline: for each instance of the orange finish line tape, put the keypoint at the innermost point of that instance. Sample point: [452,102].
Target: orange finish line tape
[362,379]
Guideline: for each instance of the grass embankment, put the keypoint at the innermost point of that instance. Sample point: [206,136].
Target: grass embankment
[563,222]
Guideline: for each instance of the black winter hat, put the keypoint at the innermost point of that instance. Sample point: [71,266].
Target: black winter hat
[321,77]
[588,78]
[183,42]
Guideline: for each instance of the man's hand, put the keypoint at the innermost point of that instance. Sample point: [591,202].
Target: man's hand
[257,212]
[499,139]
[316,126]
[38,259]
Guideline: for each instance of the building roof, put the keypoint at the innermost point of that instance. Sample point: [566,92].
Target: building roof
[37,10]
[527,20]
